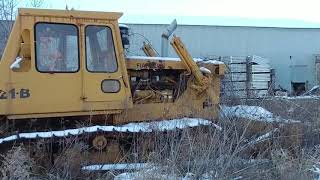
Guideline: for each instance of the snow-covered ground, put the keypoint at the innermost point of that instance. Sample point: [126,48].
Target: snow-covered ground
[313,93]
[145,170]
[298,97]
[119,166]
[244,111]
[255,113]
[134,171]
[157,172]
[316,170]
[263,137]
[141,170]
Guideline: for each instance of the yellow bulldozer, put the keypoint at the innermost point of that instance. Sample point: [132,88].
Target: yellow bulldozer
[63,68]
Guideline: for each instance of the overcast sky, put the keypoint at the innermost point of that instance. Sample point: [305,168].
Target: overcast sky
[306,10]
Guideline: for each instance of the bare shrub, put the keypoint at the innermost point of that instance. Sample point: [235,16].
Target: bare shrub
[68,164]
[202,151]
[243,148]
[17,164]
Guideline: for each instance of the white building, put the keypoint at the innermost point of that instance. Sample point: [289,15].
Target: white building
[291,49]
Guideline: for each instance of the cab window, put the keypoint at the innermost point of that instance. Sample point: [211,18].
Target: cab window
[56,47]
[100,53]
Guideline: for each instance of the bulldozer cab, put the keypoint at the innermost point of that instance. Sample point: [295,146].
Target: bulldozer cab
[63,63]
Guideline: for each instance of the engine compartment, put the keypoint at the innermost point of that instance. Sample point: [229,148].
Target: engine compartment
[157,86]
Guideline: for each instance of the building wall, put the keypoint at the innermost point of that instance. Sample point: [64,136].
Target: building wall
[291,51]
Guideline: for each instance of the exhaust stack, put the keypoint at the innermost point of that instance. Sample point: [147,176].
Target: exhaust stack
[165,37]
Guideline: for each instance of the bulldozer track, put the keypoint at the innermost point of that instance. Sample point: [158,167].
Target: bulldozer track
[165,125]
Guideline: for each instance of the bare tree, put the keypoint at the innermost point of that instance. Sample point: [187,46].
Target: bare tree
[8,11]
[36,3]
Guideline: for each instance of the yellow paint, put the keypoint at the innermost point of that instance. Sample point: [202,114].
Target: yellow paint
[79,93]
[59,92]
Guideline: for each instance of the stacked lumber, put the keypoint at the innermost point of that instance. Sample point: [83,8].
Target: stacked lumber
[247,77]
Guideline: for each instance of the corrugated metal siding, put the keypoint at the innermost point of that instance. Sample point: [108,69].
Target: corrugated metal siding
[275,44]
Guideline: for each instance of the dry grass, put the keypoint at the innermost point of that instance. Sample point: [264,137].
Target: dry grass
[17,164]
[202,152]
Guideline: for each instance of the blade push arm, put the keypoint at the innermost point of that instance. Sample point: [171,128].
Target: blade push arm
[148,50]
[188,61]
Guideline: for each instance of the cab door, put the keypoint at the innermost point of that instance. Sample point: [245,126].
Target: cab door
[104,76]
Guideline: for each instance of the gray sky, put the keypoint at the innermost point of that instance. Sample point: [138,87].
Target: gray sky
[161,10]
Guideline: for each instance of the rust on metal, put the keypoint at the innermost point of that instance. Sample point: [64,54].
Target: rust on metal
[153,65]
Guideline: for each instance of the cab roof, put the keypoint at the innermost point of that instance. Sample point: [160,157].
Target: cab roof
[69,13]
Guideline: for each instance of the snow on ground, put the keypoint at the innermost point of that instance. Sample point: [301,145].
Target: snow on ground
[314,88]
[119,166]
[126,176]
[244,111]
[298,97]
[152,171]
[263,137]
[251,112]
[316,170]
[165,125]
[157,172]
